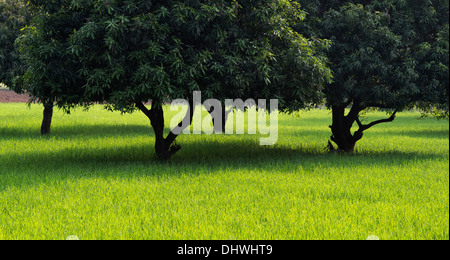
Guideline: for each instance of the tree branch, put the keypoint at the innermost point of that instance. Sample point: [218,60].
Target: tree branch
[144,109]
[166,147]
[359,123]
[365,127]
[188,118]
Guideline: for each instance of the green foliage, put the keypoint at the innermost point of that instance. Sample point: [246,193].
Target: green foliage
[123,52]
[366,58]
[51,74]
[13,16]
[423,26]
[416,34]
[433,62]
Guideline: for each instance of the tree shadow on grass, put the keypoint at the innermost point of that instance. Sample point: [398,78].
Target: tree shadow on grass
[208,156]
[251,155]
[426,133]
[67,132]
[211,152]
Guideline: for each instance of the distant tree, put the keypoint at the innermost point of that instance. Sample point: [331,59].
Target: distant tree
[126,53]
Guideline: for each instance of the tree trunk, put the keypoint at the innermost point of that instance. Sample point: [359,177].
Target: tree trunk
[165,148]
[342,125]
[47,120]
[341,129]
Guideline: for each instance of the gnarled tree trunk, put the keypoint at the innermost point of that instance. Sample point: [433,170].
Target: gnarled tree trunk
[342,125]
[165,148]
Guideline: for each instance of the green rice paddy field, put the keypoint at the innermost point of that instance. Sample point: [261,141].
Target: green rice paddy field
[96,177]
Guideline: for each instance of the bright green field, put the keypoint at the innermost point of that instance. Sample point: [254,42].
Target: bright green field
[96,177]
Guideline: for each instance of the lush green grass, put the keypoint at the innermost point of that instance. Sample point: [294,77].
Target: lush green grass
[96,177]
